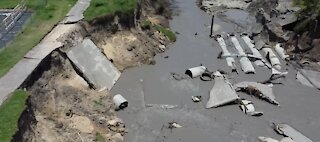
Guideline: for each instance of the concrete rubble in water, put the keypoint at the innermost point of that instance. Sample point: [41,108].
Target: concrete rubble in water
[257,89]
[221,93]
[244,61]
[96,68]
[288,131]
[196,71]
[267,139]
[269,54]
[254,51]
[303,80]
[281,52]
[248,108]
[225,53]
[313,78]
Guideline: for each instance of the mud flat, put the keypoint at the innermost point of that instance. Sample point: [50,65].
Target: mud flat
[156,98]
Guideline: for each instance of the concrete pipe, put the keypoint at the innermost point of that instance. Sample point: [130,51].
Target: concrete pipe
[120,101]
[196,71]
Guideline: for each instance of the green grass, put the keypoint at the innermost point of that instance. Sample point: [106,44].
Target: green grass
[10,112]
[100,8]
[100,138]
[8,4]
[167,32]
[46,13]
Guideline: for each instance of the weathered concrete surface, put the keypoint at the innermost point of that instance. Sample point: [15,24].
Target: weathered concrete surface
[96,68]
[76,12]
[221,93]
[303,80]
[312,76]
[16,76]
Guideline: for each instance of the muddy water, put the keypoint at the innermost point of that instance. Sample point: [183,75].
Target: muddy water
[147,87]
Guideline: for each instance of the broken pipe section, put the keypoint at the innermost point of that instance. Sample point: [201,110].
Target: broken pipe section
[196,71]
[222,93]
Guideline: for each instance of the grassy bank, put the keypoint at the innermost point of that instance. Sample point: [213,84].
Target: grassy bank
[100,8]
[46,13]
[10,112]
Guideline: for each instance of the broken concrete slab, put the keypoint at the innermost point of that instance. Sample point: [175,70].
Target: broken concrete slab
[303,80]
[221,93]
[96,68]
[244,61]
[272,58]
[254,51]
[312,76]
[287,130]
[286,19]
[281,52]
[248,108]
[266,139]
[287,139]
[225,53]
[257,89]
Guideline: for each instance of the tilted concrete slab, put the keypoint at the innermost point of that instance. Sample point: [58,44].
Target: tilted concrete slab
[96,68]
[312,76]
[221,93]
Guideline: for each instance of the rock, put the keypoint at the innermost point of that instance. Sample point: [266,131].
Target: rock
[117,137]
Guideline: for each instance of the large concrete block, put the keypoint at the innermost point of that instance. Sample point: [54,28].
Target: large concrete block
[96,68]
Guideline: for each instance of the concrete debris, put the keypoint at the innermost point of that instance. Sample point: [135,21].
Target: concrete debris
[120,102]
[287,139]
[312,76]
[257,89]
[285,6]
[303,80]
[222,93]
[225,53]
[277,31]
[254,51]
[266,139]
[286,19]
[244,61]
[272,58]
[212,5]
[207,76]
[281,52]
[286,130]
[196,99]
[173,125]
[96,68]
[196,71]
[248,108]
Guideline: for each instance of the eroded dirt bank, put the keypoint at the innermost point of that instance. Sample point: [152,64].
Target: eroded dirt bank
[62,106]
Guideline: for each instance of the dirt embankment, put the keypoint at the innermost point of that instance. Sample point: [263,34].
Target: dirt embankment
[62,106]
[130,42]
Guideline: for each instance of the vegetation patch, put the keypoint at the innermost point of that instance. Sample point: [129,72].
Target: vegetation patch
[167,32]
[10,112]
[100,8]
[46,13]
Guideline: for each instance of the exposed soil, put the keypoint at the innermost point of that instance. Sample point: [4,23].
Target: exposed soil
[129,42]
[62,106]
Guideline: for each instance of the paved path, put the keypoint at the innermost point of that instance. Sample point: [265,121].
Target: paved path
[19,73]
[76,12]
